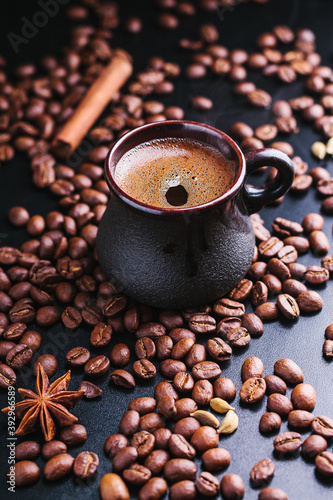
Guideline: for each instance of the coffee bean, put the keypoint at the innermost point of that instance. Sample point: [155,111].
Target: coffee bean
[262,472]
[310,302]
[280,404]
[202,323]
[312,222]
[273,284]
[18,356]
[184,407]
[239,337]
[85,464]
[202,392]
[122,378]
[154,489]
[215,459]
[253,324]
[156,461]
[78,356]
[327,262]
[177,334]
[112,486]
[259,98]
[207,484]
[327,205]
[179,469]
[218,349]
[181,348]
[288,306]
[299,243]
[26,473]
[303,397]
[287,442]
[269,493]
[289,371]
[58,467]
[204,438]
[323,426]
[328,349]
[151,422]
[270,247]
[300,419]
[18,216]
[165,388]
[47,316]
[224,388]
[124,458]
[242,290]
[252,367]
[324,463]
[186,427]
[137,475]
[180,447]
[7,376]
[169,368]
[183,490]
[293,287]
[313,445]
[183,382]
[14,331]
[120,355]
[329,332]
[275,384]
[166,406]
[73,435]
[143,405]
[206,370]
[48,362]
[114,443]
[151,330]
[162,437]
[279,269]
[267,311]
[259,293]
[232,487]
[252,390]
[90,390]
[28,450]
[270,422]
[227,324]
[144,442]
[228,307]
[97,366]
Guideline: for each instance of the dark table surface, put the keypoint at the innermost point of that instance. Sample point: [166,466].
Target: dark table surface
[302,341]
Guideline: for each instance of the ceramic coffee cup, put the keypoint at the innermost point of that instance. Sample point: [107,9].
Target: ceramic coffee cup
[182,257]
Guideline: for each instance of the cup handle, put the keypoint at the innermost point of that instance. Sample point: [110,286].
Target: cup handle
[255,198]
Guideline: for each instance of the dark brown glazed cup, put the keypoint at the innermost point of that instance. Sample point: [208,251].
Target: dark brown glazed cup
[182,257]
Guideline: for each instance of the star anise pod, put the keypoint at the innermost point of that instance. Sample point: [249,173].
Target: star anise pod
[49,401]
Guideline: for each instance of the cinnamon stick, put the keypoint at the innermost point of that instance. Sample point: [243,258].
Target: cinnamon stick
[94,102]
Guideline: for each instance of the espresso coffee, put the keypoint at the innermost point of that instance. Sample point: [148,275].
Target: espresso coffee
[172,172]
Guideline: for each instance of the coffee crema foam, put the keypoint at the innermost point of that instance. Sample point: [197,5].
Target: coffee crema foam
[148,171]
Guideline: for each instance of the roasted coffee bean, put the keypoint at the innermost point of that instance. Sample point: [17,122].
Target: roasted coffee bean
[120,355]
[112,487]
[224,388]
[280,404]
[179,469]
[269,493]
[289,371]
[124,458]
[267,311]
[262,472]
[227,324]
[303,397]
[293,287]
[186,427]
[7,376]
[299,243]
[78,356]
[24,313]
[171,319]
[164,347]
[202,323]
[252,390]
[327,262]
[47,316]
[288,306]
[183,382]
[204,438]
[227,307]
[58,467]
[202,392]
[287,227]
[144,442]
[242,290]
[207,370]
[312,222]
[151,330]
[273,284]
[137,475]
[215,459]
[323,426]
[275,384]
[115,305]
[85,464]
[14,331]
[170,367]
[300,419]
[18,356]
[28,450]
[183,490]
[181,348]
[259,98]
[52,448]
[122,378]
[166,406]
[232,487]
[165,388]
[177,334]
[270,247]
[327,205]
[162,437]
[207,484]
[97,366]
[239,337]
[154,489]
[218,349]
[197,354]
[316,275]
[5,346]
[313,445]
[18,216]
[328,349]
[329,332]
[19,290]
[156,461]
[101,335]
[310,302]
[129,422]
[180,447]
[71,318]
[270,422]
[324,463]
[287,442]
[90,390]
[279,269]
[252,367]
[144,369]
[184,407]
[319,243]
[26,473]
[73,435]
[253,324]
[143,405]
[114,443]
[48,362]
[151,422]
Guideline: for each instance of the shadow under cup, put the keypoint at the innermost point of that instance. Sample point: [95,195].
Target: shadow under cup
[174,129]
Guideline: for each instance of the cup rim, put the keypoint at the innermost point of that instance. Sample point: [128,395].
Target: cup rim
[234,189]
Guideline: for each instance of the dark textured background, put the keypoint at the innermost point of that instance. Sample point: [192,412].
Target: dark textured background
[301,341]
